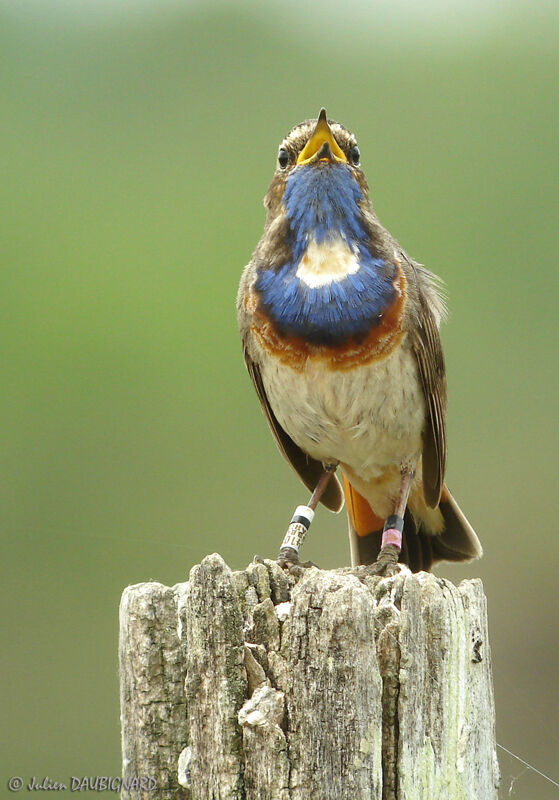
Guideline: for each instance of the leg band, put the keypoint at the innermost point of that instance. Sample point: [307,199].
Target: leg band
[300,523]
[392,531]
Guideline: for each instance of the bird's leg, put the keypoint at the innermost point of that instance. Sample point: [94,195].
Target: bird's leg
[288,557]
[393,527]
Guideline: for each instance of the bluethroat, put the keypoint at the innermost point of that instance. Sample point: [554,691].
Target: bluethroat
[340,334]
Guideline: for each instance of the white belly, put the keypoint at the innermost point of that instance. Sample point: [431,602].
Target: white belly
[369,418]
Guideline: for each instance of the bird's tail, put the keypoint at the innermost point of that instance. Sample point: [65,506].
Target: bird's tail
[420,548]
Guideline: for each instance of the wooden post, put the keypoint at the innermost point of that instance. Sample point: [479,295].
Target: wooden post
[251,686]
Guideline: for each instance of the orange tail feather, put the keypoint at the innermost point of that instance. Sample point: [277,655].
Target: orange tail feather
[362,517]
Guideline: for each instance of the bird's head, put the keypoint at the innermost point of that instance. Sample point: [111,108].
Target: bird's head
[318,191]
[316,156]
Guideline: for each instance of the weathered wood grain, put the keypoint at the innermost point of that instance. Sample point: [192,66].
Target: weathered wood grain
[154,720]
[252,686]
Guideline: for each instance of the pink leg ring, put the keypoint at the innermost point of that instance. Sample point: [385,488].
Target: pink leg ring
[393,537]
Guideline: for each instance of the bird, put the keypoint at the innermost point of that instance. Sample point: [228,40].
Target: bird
[340,335]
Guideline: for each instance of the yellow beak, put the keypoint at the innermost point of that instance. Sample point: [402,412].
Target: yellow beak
[321,136]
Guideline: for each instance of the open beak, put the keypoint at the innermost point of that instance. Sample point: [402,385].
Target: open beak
[321,146]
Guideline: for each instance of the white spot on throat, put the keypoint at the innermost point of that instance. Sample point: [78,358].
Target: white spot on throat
[329,262]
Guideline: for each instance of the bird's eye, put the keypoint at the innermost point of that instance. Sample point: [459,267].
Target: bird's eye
[283,158]
[354,155]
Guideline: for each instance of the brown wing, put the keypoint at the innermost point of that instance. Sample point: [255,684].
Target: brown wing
[428,351]
[308,469]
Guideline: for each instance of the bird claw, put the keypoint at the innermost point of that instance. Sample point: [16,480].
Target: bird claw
[386,565]
[289,562]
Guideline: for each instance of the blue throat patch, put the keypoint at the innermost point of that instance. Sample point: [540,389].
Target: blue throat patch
[322,203]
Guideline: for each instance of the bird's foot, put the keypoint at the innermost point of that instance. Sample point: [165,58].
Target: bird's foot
[386,565]
[288,560]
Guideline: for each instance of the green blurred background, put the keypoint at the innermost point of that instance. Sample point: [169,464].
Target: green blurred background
[138,139]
